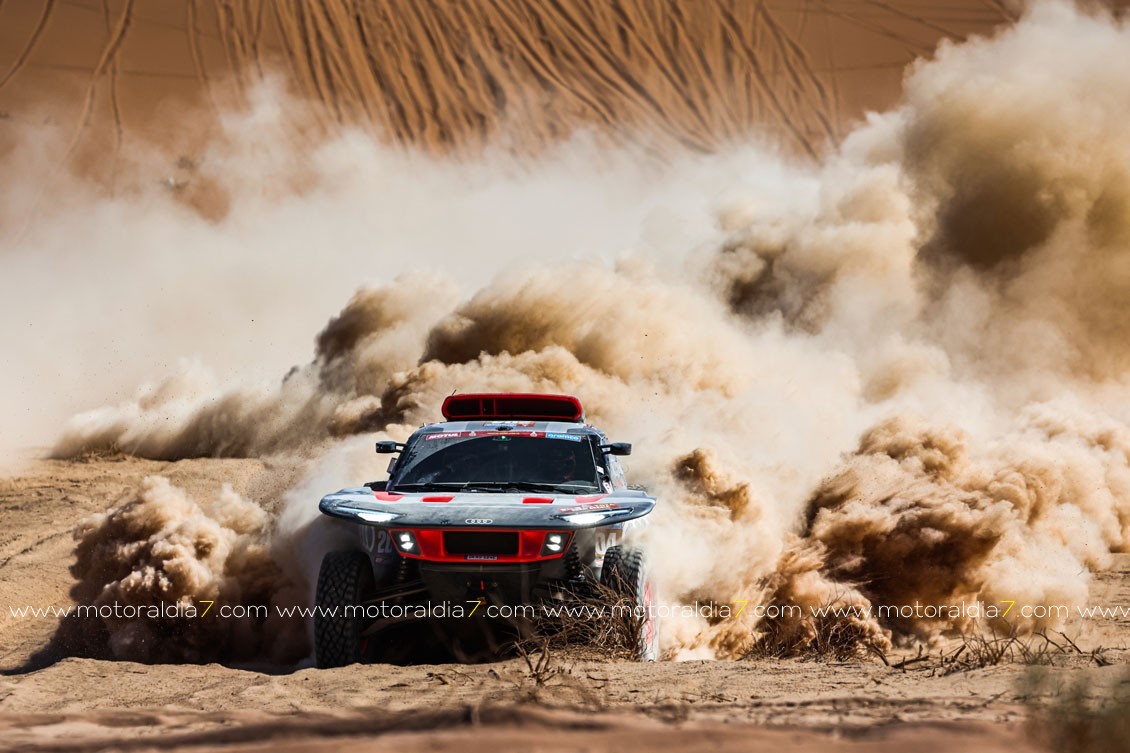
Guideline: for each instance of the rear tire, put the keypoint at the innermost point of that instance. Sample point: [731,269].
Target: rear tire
[345,579]
[626,573]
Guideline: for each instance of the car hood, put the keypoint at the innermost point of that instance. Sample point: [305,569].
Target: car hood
[485,509]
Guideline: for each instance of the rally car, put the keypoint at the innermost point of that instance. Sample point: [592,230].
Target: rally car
[512,500]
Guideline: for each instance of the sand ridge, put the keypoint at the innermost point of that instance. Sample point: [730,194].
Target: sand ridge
[456,76]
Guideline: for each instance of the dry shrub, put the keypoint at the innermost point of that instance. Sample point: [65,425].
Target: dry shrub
[541,666]
[819,638]
[601,624]
[978,650]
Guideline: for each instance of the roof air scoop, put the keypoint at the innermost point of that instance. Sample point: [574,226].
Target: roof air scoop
[521,406]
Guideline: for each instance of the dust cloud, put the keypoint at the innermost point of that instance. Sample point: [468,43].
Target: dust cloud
[150,571]
[897,374]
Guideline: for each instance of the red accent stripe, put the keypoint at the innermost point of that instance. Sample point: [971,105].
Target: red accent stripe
[448,498]
[590,499]
[537,500]
[387,496]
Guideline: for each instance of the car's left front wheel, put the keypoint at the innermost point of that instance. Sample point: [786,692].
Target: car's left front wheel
[344,581]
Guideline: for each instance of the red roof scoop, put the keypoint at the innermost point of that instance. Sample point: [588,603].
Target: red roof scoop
[530,407]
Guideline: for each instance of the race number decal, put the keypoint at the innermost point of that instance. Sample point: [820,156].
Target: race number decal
[606,537]
[376,540]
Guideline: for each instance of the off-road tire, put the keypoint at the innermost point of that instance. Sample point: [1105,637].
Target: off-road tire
[345,579]
[626,573]
[608,576]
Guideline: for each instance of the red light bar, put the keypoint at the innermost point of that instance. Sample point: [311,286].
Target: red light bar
[530,407]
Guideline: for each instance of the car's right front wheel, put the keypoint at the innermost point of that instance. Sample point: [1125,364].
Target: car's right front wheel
[625,572]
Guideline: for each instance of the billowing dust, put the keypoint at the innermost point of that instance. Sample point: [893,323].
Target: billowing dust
[898,375]
[151,570]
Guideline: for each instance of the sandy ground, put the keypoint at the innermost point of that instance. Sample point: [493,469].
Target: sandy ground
[74,703]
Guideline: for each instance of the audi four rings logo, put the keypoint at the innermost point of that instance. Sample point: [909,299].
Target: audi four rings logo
[478,521]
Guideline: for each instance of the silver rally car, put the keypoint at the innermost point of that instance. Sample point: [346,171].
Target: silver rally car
[513,500]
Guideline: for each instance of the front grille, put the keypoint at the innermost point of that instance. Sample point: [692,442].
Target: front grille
[480,542]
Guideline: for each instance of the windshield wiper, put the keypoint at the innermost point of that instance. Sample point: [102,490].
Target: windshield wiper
[494,486]
[533,486]
[579,486]
[430,485]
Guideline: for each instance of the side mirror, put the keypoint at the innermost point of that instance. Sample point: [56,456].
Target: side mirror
[618,448]
[387,447]
[377,486]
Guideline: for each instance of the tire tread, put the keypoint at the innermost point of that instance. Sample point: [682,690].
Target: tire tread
[342,581]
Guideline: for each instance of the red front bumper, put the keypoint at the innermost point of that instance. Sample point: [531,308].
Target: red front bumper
[487,545]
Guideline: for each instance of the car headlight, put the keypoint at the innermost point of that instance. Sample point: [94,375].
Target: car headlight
[585,518]
[596,516]
[555,543]
[405,542]
[370,516]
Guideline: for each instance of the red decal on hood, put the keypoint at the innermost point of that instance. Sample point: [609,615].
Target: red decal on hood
[592,508]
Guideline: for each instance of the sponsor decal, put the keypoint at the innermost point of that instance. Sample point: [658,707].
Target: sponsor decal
[591,508]
[568,437]
[496,433]
[483,557]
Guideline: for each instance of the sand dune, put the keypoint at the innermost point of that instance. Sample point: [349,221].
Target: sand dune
[455,75]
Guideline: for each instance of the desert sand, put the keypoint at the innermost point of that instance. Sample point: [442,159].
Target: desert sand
[851,274]
[55,702]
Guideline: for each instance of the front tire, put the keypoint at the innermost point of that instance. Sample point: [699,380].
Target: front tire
[626,573]
[345,580]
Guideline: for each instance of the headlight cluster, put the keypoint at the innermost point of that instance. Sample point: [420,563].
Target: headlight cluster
[555,543]
[405,542]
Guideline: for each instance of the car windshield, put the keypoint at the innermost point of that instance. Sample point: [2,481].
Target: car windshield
[529,461]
